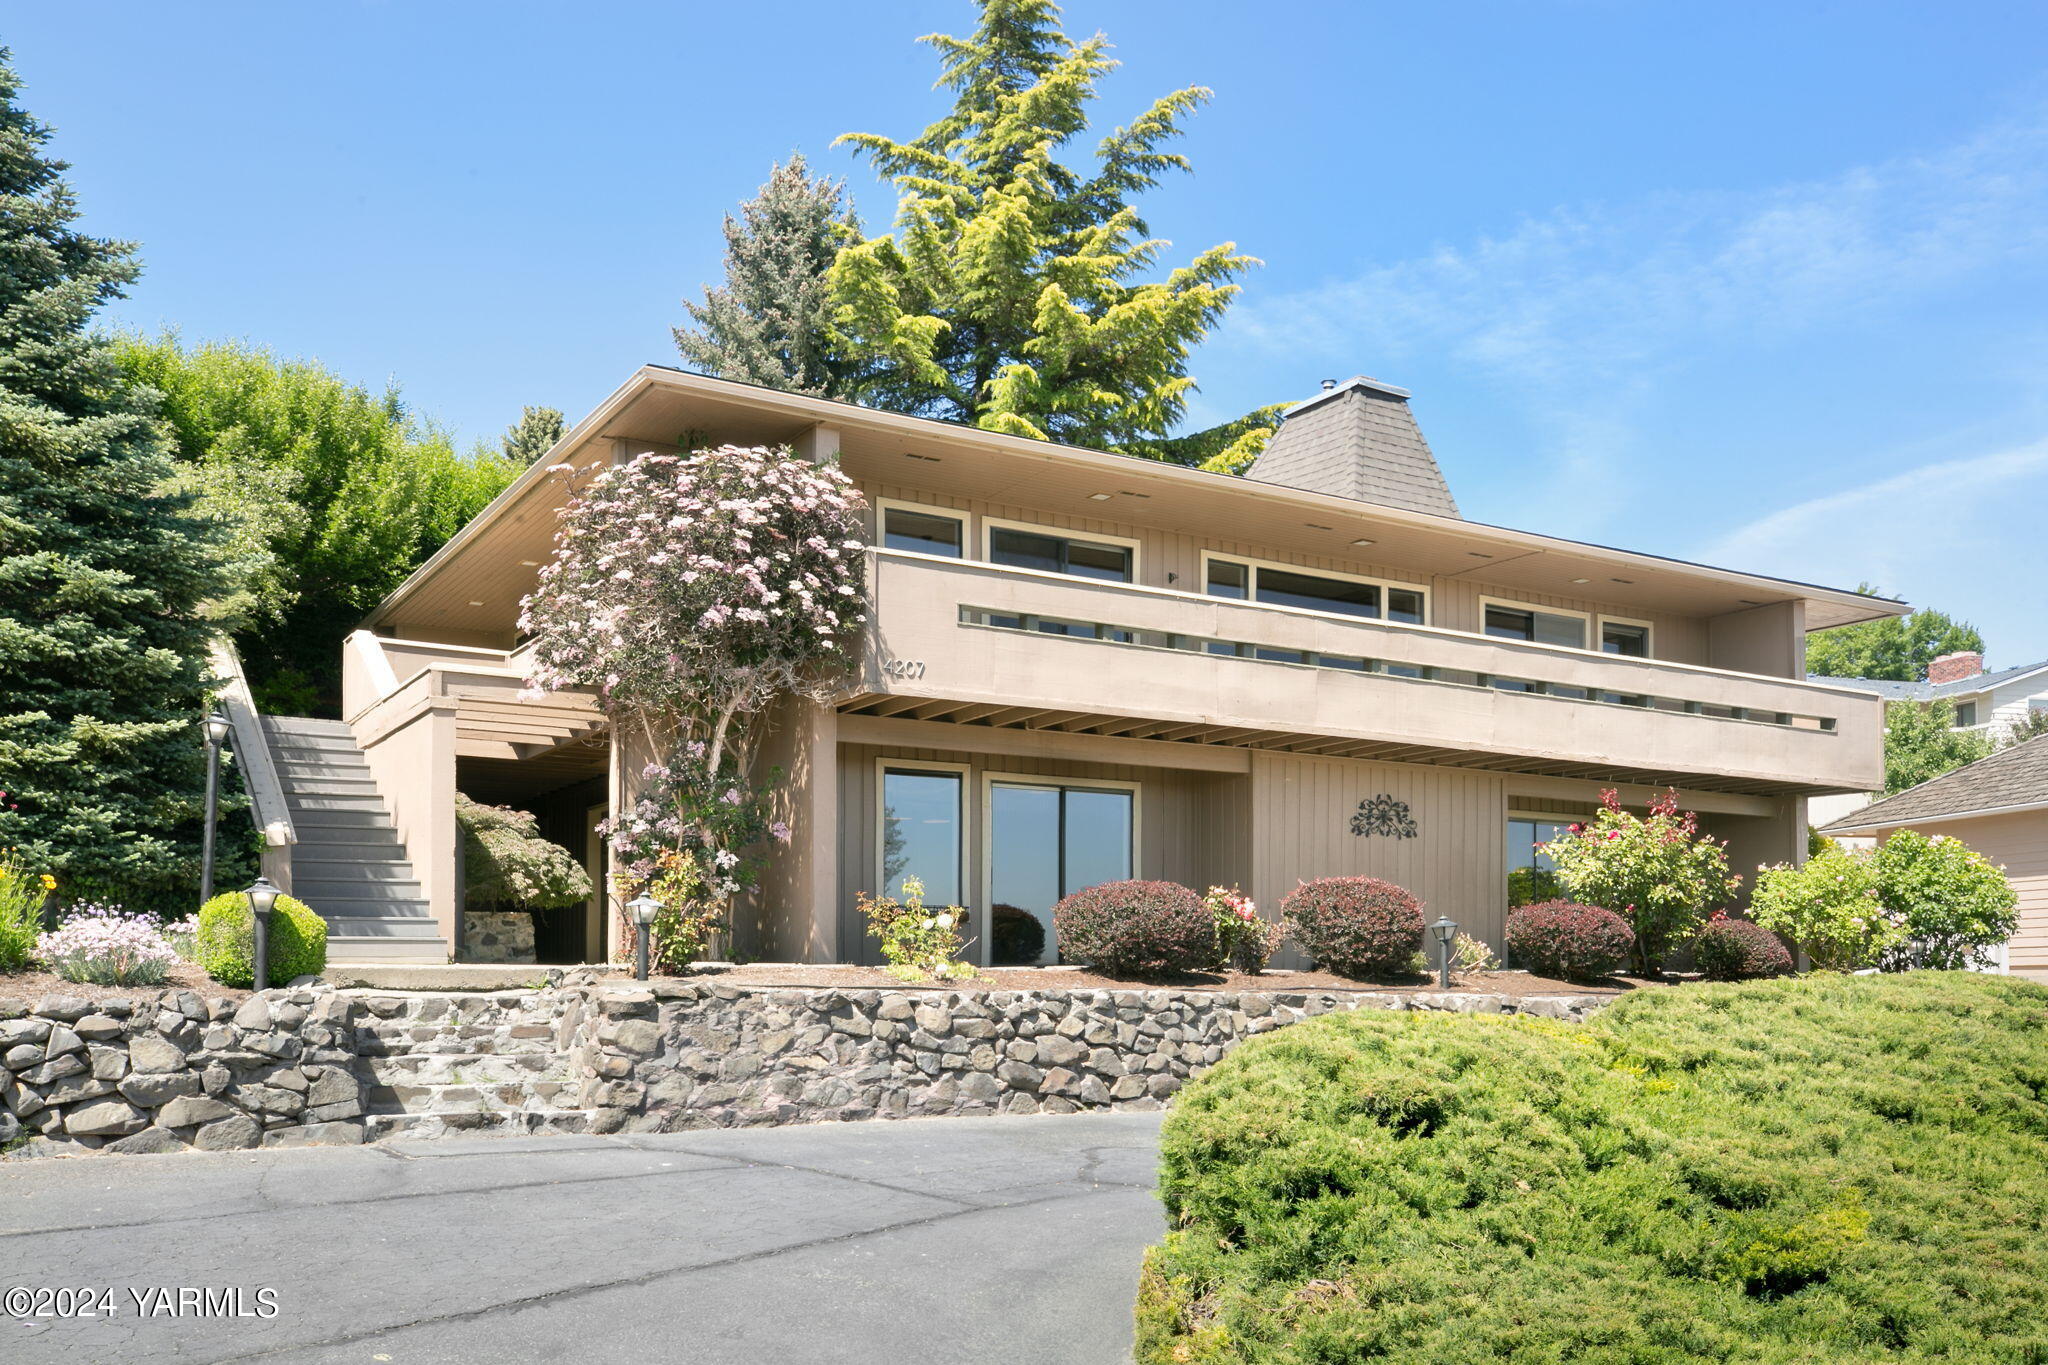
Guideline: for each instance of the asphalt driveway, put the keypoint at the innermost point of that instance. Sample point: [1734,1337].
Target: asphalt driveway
[1014,1239]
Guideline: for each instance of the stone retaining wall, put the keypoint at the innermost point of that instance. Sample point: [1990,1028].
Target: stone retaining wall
[317,1065]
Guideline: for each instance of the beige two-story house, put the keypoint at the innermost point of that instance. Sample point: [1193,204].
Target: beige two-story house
[1083,666]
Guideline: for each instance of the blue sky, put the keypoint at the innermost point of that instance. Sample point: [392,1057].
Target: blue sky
[1760,284]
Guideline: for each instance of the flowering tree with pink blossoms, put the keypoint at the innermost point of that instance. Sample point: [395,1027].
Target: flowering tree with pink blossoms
[1657,871]
[691,592]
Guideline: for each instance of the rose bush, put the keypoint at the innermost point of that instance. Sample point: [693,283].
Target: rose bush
[1952,902]
[1244,939]
[1355,926]
[919,942]
[1657,872]
[1830,908]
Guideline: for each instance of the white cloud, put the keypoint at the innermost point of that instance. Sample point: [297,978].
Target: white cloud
[1919,532]
[1583,300]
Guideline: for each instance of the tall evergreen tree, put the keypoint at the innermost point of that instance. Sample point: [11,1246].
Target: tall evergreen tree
[533,435]
[102,571]
[769,322]
[1013,293]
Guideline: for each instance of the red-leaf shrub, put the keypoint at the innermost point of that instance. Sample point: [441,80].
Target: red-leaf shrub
[1575,942]
[1737,950]
[1355,926]
[1136,929]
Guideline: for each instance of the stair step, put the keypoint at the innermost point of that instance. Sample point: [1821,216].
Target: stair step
[304,725]
[340,878]
[368,801]
[356,821]
[368,907]
[373,926]
[361,899]
[345,948]
[330,781]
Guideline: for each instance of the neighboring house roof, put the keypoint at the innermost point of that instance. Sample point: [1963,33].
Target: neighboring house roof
[2014,779]
[1925,691]
[1357,440]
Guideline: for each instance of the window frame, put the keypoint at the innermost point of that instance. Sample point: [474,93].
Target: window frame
[1587,617]
[1649,629]
[990,525]
[963,771]
[1251,598]
[883,506]
[985,879]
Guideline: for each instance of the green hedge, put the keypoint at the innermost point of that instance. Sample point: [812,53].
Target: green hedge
[1829,1169]
[226,945]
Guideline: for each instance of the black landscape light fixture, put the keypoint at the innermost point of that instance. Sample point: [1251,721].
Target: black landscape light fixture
[216,735]
[643,908]
[262,894]
[1443,931]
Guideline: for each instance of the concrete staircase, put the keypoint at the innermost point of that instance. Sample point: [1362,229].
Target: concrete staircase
[348,864]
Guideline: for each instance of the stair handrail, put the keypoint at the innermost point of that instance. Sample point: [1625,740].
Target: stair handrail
[267,807]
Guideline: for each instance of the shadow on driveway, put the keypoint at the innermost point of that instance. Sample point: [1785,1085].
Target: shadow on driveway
[1014,1239]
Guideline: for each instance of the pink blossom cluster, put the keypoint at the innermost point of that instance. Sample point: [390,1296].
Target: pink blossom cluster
[105,944]
[672,570]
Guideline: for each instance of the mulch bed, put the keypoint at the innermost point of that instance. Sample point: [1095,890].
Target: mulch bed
[29,987]
[1513,984]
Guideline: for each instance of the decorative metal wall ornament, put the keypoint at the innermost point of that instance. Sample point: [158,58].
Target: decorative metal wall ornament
[1384,816]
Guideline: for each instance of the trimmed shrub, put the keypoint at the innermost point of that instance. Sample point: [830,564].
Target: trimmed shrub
[1136,929]
[1567,940]
[227,940]
[1355,926]
[1736,950]
[1831,1170]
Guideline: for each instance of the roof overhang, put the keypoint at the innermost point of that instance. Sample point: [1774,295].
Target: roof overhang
[1850,824]
[475,581]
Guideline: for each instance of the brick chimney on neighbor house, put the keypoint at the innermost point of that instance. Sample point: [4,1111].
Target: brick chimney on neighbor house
[1955,667]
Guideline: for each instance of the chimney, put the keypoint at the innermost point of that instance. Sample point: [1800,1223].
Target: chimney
[1955,667]
[1356,440]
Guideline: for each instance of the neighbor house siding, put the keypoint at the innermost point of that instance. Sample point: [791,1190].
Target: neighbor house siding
[2019,843]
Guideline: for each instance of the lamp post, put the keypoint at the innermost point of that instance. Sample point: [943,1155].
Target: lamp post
[216,735]
[262,900]
[643,908]
[1443,931]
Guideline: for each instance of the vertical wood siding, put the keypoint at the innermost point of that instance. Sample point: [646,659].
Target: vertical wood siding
[1301,829]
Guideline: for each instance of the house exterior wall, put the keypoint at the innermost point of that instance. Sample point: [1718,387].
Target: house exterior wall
[1170,559]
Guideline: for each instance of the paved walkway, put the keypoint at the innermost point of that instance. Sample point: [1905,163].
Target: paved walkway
[1012,1239]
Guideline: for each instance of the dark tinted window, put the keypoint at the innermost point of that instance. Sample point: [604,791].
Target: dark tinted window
[1285,589]
[1616,638]
[1057,554]
[922,532]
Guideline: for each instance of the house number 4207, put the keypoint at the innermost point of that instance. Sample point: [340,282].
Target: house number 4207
[904,668]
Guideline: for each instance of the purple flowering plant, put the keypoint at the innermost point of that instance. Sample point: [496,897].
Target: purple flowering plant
[690,592]
[107,945]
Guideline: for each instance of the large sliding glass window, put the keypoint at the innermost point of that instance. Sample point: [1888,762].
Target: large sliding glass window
[1284,587]
[1080,557]
[921,832]
[1047,841]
